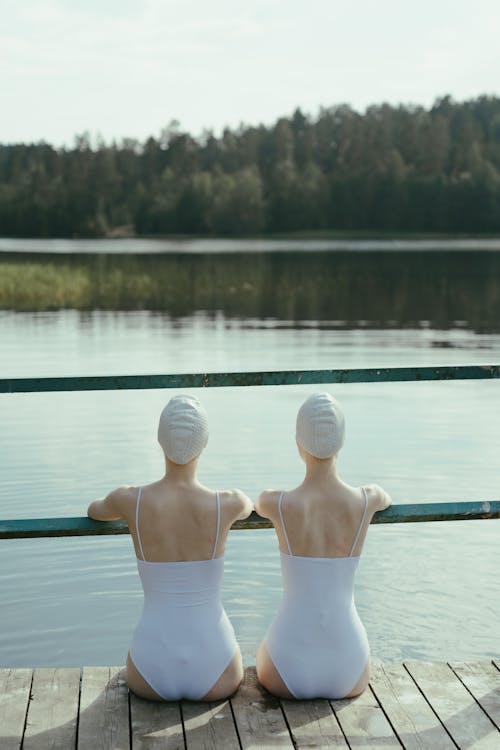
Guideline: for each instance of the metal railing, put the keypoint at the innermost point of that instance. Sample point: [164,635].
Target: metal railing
[225,379]
[400,513]
[403,513]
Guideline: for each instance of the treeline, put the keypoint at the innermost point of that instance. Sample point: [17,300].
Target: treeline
[401,168]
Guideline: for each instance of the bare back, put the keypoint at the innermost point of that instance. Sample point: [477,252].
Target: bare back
[322,521]
[179,523]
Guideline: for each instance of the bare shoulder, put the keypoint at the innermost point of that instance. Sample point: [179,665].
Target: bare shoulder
[378,498]
[123,497]
[267,503]
[125,493]
[235,504]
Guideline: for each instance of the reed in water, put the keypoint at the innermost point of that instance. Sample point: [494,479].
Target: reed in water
[379,288]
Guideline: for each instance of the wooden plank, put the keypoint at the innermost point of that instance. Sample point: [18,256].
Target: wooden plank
[209,726]
[155,725]
[258,716]
[15,686]
[411,717]
[482,679]
[313,724]
[104,719]
[53,709]
[363,722]
[463,718]
[462,695]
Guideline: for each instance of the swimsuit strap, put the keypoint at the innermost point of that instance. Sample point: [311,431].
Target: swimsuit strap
[139,492]
[218,524]
[280,501]
[361,523]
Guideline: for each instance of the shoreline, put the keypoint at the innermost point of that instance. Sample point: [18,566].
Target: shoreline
[265,244]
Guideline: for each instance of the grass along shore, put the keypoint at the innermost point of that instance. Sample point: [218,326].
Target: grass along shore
[378,288]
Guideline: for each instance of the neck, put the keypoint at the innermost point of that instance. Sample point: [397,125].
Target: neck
[321,470]
[181,473]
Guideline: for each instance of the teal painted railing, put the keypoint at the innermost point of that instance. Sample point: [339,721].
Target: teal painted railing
[225,379]
[401,513]
[404,513]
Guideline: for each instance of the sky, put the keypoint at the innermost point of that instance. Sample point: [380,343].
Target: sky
[127,68]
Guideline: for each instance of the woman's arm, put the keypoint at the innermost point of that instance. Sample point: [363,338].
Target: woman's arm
[109,508]
[266,503]
[245,505]
[383,498]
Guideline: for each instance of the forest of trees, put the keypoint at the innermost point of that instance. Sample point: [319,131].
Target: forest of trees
[390,169]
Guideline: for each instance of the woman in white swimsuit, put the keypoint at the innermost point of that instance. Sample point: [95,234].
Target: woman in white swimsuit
[317,647]
[184,645]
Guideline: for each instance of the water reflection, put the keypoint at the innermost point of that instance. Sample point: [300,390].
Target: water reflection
[440,289]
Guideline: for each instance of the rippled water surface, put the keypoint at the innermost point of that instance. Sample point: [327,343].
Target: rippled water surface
[423,590]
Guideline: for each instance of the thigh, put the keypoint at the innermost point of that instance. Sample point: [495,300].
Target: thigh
[361,683]
[268,675]
[228,682]
[138,684]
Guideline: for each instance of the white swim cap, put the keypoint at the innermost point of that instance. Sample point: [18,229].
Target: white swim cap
[183,429]
[320,426]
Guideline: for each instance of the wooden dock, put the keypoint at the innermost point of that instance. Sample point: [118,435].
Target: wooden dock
[414,705]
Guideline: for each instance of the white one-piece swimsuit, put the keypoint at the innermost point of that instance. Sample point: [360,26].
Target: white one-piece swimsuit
[317,642]
[184,640]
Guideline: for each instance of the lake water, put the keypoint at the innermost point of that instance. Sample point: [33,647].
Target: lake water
[423,590]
